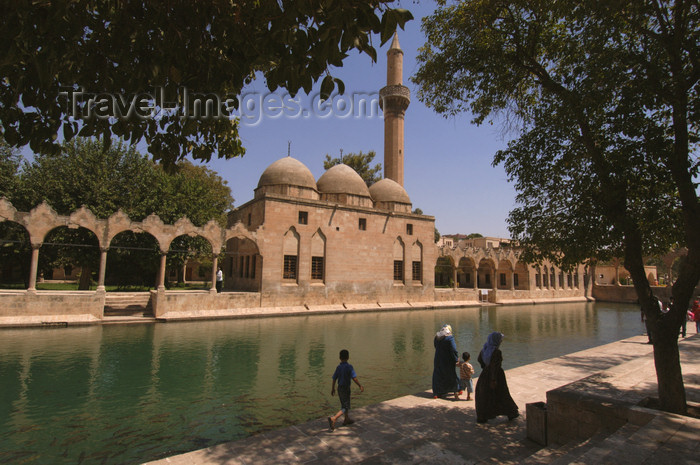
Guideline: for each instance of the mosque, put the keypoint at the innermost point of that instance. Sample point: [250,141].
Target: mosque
[336,240]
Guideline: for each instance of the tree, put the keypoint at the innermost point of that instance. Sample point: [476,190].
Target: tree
[124,53]
[104,181]
[360,162]
[10,161]
[604,96]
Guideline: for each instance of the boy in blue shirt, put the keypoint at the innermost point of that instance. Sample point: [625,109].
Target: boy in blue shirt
[343,375]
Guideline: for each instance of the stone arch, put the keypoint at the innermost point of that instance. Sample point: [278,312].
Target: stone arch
[552,278]
[189,259]
[485,273]
[417,262]
[538,277]
[652,278]
[318,256]
[290,256]
[243,265]
[398,261]
[39,221]
[444,271]
[521,276]
[15,255]
[466,273]
[504,275]
[70,253]
[133,259]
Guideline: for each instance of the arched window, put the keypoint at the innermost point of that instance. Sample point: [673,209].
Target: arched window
[398,261]
[318,257]
[290,269]
[417,264]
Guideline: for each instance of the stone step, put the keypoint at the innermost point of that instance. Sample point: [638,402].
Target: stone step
[128,304]
[599,449]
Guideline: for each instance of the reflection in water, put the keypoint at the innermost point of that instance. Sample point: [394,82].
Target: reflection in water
[127,394]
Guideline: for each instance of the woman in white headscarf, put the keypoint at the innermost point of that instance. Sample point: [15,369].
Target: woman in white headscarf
[491,394]
[445,378]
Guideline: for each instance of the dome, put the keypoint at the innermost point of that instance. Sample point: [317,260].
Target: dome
[287,171]
[341,179]
[388,190]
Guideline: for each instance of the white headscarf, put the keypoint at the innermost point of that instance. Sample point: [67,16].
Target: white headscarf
[445,331]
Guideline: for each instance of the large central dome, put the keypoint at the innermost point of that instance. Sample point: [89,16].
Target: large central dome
[287,171]
[287,176]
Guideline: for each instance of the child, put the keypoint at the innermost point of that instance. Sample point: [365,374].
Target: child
[465,375]
[343,374]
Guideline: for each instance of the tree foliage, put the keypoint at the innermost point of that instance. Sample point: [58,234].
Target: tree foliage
[10,161]
[603,97]
[105,181]
[118,178]
[361,163]
[132,47]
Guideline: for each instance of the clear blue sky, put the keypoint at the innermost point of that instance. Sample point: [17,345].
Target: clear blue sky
[448,172]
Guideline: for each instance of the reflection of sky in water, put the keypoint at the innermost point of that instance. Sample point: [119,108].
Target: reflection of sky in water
[127,394]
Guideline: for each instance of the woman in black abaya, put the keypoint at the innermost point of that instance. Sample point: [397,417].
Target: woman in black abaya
[491,394]
[446,357]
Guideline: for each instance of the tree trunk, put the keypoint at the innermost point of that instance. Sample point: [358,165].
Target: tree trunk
[85,275]
[664,330]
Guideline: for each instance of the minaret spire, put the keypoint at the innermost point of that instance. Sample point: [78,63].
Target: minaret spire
[394,99]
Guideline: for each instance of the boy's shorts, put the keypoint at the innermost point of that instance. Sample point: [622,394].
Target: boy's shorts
[344,396]
[467,384]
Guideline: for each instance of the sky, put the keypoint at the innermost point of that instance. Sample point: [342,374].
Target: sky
[447,163]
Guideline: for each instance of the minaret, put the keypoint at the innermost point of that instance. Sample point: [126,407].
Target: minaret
[394,99]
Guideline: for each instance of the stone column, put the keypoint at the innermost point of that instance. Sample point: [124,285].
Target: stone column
[512,280]
[214,266]
[34,267]
[454,277]
[161,272]
[103,268]
[476,277]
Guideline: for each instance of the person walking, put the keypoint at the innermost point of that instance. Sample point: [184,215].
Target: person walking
[492,395]
[344,374]
[466,370]
[444,364]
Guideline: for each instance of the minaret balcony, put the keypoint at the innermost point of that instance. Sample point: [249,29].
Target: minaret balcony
[396,96]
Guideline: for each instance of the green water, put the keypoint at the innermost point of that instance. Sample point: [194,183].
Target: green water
[132,393]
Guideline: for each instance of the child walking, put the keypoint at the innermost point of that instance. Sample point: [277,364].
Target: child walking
[344,373]
[465,375]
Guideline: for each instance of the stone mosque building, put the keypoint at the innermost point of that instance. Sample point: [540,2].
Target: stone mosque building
[335,240]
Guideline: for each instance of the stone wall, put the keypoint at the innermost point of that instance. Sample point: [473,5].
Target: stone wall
[49,307]
[201,304]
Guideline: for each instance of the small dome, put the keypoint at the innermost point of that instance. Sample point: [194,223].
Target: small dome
[287,171]
[388,190]
[341,179]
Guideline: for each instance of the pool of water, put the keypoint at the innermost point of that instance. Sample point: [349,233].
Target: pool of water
[123,394]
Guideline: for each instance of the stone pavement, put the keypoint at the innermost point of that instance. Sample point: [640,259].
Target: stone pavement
[418,429]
